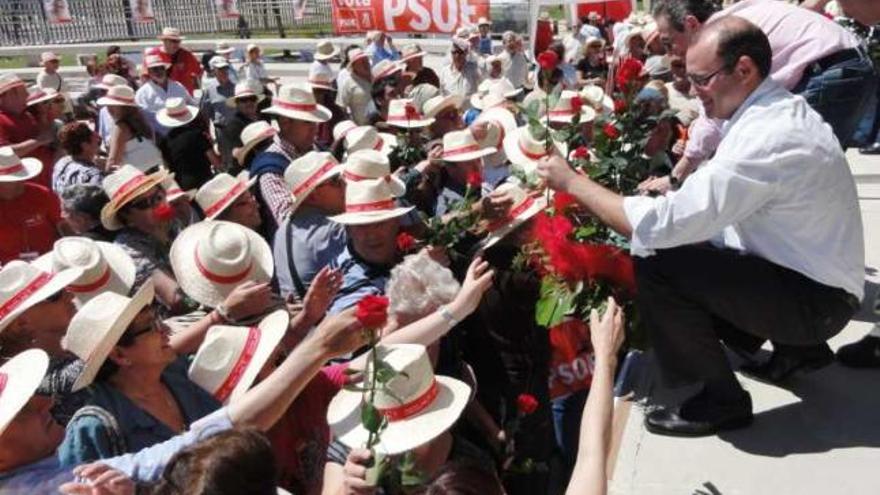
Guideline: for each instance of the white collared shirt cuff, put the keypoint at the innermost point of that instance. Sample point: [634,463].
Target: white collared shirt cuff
[635,208]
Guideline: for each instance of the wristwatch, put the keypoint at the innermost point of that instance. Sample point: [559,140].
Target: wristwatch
[674,182]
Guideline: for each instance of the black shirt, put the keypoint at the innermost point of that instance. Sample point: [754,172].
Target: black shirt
[185,149]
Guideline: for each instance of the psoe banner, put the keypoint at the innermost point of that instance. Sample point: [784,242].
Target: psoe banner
[227,9]
[57,11]
[419,16]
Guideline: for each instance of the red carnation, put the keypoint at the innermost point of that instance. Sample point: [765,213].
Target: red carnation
[562,200]
[548,60]
[163,212]
[526,404]
[405,242]
[611,131]
[475,179]
[619,106]
[548,230]
[372,311]
[580,153]
[576,104]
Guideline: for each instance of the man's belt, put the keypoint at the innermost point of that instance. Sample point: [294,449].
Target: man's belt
[835,58]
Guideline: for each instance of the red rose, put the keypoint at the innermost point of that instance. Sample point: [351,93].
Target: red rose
[548,60]
[580,152]
[629,70]
[548,230]
[576,104]
[405,242]
[411,112]
[611,131]
[163,212]
[562,200]
[372,311]
[475,179]
[619,106]
[526,404]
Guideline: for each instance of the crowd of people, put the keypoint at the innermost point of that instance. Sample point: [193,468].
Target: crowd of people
[185,248]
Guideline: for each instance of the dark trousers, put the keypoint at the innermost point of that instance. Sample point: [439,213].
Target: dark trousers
[692,296]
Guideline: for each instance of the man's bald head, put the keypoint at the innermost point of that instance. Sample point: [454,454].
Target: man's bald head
[733,38]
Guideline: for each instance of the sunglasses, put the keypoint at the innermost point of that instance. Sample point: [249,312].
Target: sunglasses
[54,298]
[247,99]
[155,325]
[149,202]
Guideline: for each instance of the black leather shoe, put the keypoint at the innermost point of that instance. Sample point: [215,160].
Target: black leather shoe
[862,354]
[699,418]
[873,149]
[786,361]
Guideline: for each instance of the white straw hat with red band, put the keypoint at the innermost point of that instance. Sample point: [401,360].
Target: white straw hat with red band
[341,129]
[501,122]
[223,48]
[596,97]
[369,165]
[404,113]
[244,89]
[171,33]
[460,146]
[411,51]
[176,113]
[173,191]
[15,169]
[252,135]
[366,137]
[156,60]
[308,172]
[369,201]
[418,405]
[19,379]
[321,77]
[523,207]
[22,285]
[569,103]
[325,50]
[110,80]
[9,81]
[213,257]
[120,96]
[438,103]
[122,187]
[105,267]
[356,54]
[216,195]
[524,150]
[229,359]
[296,101]
[37,95]
[386,68]
[97,327]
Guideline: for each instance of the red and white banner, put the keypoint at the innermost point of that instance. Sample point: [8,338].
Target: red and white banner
[142,10]
[409,16]
[571,359]
[57,11]
[227,9]
[299,10]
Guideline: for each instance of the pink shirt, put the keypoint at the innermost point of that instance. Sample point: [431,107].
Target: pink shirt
[798,37]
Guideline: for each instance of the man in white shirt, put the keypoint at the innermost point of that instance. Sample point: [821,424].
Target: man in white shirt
[764,240]
[152,95]
[515,62]
[462,76]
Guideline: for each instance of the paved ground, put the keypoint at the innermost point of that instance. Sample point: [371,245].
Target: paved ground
[819,434]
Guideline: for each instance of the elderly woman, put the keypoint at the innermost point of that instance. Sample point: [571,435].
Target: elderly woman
[81,206]
[81,164]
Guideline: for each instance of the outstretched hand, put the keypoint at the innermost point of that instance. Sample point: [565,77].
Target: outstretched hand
[320,295]
[556,172]
[476,283]
[98,479]
[606,333]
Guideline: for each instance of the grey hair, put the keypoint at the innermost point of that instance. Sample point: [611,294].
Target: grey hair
[508,36]
[84,198]
[419,285]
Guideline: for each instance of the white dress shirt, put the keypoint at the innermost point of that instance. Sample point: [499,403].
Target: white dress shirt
[151,98]
[778,187]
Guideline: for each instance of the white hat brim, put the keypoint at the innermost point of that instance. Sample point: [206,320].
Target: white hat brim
[243,152]
[411,124]
[322,57]
[109,102]
[272,330]
[242,176]
[516,156]
[231,101]
[344,418]
[368,217]
[320,115]
[59,281]
[453,100]
[497,235]
[473,155]
[477,101]
[122,271]
[163,118]
[31,168]
[298,200]
[108,212]
[24,374]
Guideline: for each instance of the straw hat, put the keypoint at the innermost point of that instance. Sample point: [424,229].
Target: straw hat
[105,267]
[176,113]
[212,257]
[308,172]
[243,89]
[110,80]
[223,48]
[595,40]
[156,60]
[421,93]
[436,104]
[524,150]
[296,101]
[253,46]
[48,57]
[369,201]
[229,359]
[19,379]
[22,285]
[418,405]
[460,146]
[96,328]
[476,99]
[501,123]
[523,208]
[404,113]
[411,51]
[9,81]
[341,129]
[218,62]
[504,87]
[122,187]
[357,54]
[657,66]
[564,110]
[385,68]
[597,98]
[371,164]
[322,79]
[215,196]
[38,95]
[15,169]
[171,33]
[252,135]
[484,22]
[173,192]
[366,137]
[120,96]
[325,50]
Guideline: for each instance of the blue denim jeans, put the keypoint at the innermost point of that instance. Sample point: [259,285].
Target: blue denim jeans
[567,411]
[840,93]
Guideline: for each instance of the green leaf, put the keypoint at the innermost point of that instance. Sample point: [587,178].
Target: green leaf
[371,418]
[555,302]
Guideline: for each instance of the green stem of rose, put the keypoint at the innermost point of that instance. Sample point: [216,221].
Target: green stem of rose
[373,438]
[548,138]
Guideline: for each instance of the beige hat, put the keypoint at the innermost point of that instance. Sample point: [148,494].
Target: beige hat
[460,146]
[597,98]
[296,101]
[404,113]
[223,48]
[252,135]
[460,43]
[243,89]
[218,62]
[9,81]
[369,165]
[341,129]
[23,285]
[366,137]
[506,88]
[308,172]
[122,186]
[524,207]
[385,68]
[421,93]
[418,405]
[356,54]
[369,201]
[501,123]
[173,192]
[212,257]
[229,359]
[325,50]
[48,57]
[156,60]
[110,80]
[411,51]
[438,103]
[476,98]
[96,328]
[19,379]
[216,195]
[484,22]
[105,267]
[322,80]
[171,33]
[176,113]
[253,46]
[120,95]
[15,169]
[38,95]
[524,150]
[564,110]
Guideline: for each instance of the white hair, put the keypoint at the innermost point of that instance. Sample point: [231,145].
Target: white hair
[419,285]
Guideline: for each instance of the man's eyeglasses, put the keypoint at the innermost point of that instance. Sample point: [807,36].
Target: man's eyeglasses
[149,202]
[703,81]
[155,325]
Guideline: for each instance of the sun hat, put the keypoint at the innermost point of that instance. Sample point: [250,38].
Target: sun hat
[476,99]
[504,87]
[23,285]
[212,257]
[322,79]
[460,43]
[37,95]
[438,103]
[463,32]
[369,201]
[176,113]
[403,113]
[296,101]
[252,135]
[460,146]
[418,405]
[421,93]
[484,22]
[156,60]
[253,46]
[173,192]
[597,98]
[366,137]
[110,80]
[230,357]
[243,89]
[96,328]
[309,171]
[170,33]
[524,150]
[223,48]
[342,128]
[19,379]
[120,96]
[369,165]
[216,195]
[595,40]
[9,81]
[48,57]
[105,267]
[218,62]
[501,123]
[524,207]
[657,66]
[325,50]
[564,110]
[411,51]
[122,186]
[385,68]
[356,54]
[15,169]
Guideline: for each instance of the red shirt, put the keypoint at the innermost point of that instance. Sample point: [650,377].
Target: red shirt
[185,68]
[16,129]
[28,223]
[571,362]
